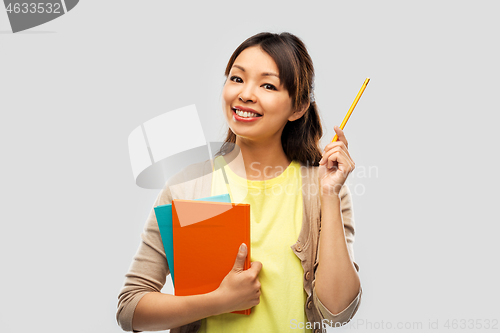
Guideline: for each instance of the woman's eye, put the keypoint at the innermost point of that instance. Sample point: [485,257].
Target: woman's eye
[236,79]
[269,86]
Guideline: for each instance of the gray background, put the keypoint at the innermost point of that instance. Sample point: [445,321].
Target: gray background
[73,89]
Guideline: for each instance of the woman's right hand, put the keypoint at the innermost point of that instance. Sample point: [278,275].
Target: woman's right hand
[240,289]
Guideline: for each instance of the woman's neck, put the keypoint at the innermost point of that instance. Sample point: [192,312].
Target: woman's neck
[255,161]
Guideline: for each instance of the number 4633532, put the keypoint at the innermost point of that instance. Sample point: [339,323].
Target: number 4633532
[33,8]
[471,324]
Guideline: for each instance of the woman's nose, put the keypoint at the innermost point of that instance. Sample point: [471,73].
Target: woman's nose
[247,94]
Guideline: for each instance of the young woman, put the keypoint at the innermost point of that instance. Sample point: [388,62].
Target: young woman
[303,276]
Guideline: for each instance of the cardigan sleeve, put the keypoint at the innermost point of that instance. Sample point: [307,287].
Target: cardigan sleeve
[148,270]
[349,229]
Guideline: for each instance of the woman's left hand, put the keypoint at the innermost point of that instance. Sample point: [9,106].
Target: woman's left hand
[335,165]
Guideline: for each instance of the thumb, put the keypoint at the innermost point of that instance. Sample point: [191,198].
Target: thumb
[239,263]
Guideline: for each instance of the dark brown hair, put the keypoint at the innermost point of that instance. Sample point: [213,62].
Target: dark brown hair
[300,138]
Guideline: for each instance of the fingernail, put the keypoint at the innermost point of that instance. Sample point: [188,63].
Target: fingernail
[321,160]
[242,247]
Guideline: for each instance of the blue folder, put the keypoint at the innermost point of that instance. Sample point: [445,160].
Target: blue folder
[164,218]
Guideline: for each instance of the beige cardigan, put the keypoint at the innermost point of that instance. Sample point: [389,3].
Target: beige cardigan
[149,268]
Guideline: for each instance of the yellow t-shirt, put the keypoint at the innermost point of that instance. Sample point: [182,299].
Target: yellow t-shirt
[276,210]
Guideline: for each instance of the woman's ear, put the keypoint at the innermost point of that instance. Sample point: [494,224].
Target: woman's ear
[299,113]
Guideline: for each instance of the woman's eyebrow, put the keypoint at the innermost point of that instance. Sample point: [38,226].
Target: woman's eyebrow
[263,74]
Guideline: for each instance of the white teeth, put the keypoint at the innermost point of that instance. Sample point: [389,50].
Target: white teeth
[246,114]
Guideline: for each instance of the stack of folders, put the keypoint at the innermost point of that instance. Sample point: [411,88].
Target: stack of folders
[201,240]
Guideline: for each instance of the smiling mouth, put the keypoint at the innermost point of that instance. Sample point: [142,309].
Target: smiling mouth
[246,114]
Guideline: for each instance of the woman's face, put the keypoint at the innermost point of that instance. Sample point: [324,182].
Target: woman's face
[253,85]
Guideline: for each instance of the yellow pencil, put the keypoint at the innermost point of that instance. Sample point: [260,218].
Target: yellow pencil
[346,118]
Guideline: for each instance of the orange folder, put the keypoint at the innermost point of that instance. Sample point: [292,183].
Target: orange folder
[206,239]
